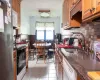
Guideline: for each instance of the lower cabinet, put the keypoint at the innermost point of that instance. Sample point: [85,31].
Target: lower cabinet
[15,64]
[59,68]
[63,69]
[60,72]
[27,55]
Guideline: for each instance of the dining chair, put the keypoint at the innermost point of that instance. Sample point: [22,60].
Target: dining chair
[40,47]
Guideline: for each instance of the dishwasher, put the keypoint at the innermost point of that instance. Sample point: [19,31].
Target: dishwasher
[69,73]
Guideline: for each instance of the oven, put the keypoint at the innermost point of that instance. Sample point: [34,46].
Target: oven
[21,59]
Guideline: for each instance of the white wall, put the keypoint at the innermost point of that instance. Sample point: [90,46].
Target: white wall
[29,15]
[33,20]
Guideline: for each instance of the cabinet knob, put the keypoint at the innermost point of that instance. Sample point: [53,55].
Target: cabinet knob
[92,9]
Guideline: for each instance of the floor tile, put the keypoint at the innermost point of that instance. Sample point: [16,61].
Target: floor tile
[52,79]
[52,71]
[40,71]
[44,79]
[52,75]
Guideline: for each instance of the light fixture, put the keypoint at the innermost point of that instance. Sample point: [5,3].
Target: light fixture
[44,13]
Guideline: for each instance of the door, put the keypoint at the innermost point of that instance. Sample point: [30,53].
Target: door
[86,8]
[97,6]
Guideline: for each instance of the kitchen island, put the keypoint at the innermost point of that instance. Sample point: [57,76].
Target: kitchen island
[75,64]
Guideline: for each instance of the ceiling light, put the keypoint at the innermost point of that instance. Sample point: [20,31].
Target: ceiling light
[44,14]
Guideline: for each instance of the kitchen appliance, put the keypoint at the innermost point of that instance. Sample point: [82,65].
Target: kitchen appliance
[59,37]
[6,45]
[21,61]
[71,73]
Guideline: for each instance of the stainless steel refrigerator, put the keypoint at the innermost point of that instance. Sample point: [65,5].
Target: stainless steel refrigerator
[6,45]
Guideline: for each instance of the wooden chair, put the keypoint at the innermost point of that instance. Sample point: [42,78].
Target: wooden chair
[40,47]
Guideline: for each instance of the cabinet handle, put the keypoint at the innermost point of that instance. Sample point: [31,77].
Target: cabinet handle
[92,9]
[98,3]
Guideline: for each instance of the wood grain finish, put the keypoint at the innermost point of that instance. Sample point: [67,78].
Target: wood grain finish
[69,10]
[27,55]
[94,75]
[59,67]
[16,7]
[76,14]
[15,64]
[90,10]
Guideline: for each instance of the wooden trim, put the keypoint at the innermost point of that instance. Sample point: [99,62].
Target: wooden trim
[77,2]
[90,18]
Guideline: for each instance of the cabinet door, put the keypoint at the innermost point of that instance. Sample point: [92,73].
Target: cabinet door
[86,8]
[27,52]
[56,63]
[60,71]
[97,6]
[15,64]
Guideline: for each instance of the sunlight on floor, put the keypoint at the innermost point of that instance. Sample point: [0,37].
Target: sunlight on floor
[41,71]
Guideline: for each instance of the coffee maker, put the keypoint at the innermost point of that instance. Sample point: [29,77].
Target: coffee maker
[59,38]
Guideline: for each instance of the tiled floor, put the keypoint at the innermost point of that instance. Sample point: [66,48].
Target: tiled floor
[41,71]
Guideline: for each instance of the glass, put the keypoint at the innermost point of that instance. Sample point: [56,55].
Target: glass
[40,34]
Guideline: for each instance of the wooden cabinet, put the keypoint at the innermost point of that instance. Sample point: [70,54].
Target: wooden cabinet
[72,13]
[15,64]
[59,67]
[86,8]
[90,10]
[66,14]
[76,14]
[16,7]
[97,6]
[27,55]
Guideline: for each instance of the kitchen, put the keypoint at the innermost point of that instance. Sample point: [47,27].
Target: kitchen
[75,22]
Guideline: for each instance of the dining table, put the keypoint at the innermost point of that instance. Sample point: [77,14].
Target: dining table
[46,45]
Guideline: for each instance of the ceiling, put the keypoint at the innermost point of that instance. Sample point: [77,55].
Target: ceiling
[30,6]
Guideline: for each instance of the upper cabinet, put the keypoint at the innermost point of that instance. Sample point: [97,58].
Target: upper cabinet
[86,8]
[97,5]
[16,7]
[90,10]
[76,13]
[66,14]
[72,13]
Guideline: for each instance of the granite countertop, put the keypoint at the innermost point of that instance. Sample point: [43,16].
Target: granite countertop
[81,62]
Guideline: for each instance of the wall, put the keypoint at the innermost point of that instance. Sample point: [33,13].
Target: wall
[33,21]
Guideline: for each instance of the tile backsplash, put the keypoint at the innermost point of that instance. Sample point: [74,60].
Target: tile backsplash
[90,32]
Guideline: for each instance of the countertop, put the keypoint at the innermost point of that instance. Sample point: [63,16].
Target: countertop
[20,46]
[81,62]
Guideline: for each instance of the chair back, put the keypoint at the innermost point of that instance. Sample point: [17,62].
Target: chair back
[40,47]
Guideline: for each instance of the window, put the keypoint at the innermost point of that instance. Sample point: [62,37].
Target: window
[40,34]
[49,34]
[44,31]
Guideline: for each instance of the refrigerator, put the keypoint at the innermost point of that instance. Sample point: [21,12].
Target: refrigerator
[6,42]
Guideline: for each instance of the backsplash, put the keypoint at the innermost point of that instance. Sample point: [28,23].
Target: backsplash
[90,32]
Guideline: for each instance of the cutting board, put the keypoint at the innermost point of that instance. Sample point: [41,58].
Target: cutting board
[94,75]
